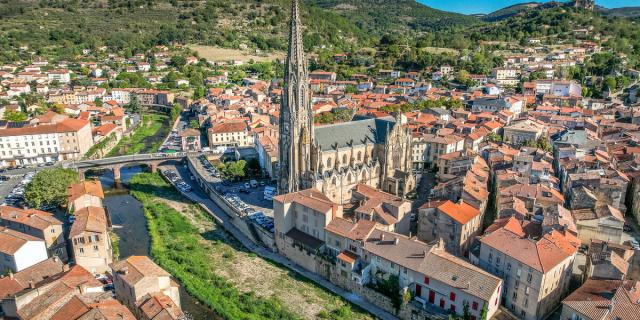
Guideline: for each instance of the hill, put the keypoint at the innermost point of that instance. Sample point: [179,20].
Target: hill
[626,12]
[62,28]
[517,9]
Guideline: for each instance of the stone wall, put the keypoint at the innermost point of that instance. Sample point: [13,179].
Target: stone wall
[370,295]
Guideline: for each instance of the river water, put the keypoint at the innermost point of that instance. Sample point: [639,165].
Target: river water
[130,225]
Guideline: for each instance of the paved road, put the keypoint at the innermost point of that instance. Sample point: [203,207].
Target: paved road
[198,196]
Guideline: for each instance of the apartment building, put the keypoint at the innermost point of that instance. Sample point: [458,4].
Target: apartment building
[90,241]
[65,140]
[300,219]
[230,134]
[145,288]
[426,148]
[61,75]
[521,132]
[40,224]
[433,276]
[390,212]
[536,269]
[456,224]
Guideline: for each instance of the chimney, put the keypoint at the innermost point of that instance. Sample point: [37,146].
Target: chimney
[10,274]
[55,258]
[395,240]
[31,284]
[65,267]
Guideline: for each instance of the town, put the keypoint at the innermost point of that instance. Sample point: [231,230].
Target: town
[403,193]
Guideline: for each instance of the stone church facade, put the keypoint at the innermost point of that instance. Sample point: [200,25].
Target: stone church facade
[335,158]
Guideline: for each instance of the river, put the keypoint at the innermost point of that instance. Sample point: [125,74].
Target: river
[130,225]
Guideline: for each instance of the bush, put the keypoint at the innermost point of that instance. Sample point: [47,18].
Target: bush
[49,187]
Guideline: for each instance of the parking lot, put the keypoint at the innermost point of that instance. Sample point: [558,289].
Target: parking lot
[247,197]
[12,190]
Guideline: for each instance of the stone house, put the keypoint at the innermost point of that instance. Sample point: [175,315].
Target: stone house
[456,224]
[40,224]
[90,240]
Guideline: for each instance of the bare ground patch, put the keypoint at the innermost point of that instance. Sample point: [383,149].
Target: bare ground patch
[218,54]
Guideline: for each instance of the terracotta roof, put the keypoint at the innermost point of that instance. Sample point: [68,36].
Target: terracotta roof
[606,299]
[544,254]
[89,219]
[347,256]
[35,274]
[67,125]
[228,127]
[92,187]
[460,212]
[160,307]
[136,268]
[29,217]
[353,230]
[11,241]
[311,198]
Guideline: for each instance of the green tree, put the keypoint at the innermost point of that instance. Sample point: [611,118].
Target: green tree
[494,137]
[49,186]
[236,170]
[484,312]
[57,108]
[134,105]
[193,124]
[466,313]
[15,116]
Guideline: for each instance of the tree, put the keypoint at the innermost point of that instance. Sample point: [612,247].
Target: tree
[236,170]
[15,116]
[57,108]
[493,137]
[466,313]
[134,105]
[178,61]
[193,124]
[483,312]
[49,187]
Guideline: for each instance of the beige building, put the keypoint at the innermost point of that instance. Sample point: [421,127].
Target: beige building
[603,223]
[87,193]
[521,132]
[536,269]
[145,288]
[89,236]
[456,224]
[40,224]
[603,299]
[300,219]
[427,148]
[230,134]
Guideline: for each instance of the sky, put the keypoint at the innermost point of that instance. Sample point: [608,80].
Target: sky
[487,6]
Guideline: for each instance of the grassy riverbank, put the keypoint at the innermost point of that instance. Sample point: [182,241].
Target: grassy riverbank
[218,271]
[147,137]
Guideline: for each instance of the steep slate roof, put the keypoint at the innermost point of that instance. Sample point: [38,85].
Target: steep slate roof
[372,130]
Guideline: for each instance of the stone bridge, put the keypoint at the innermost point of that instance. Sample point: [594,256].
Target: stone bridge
[115,164]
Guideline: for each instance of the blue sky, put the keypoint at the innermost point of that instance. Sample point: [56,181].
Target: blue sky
[487,6]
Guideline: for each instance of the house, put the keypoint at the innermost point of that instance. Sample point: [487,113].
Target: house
[497,104]
[267,149]
[143,286]
[86,193]
[19,251]
[390,212]
[190,140]
[536,269]
[456,224]
[88,306]
[603,299]
[61,76]
[40,224]
[603,223]
[521,132]
[91,243]
[608,260]
[300,219]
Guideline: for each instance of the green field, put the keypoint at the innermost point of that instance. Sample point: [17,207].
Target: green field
[147,137]
[217,270]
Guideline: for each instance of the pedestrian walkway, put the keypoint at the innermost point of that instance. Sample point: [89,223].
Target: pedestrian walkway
[216,212]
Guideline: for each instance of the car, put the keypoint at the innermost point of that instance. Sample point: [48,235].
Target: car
[72,219]
[626,227]
[243,190]
[262,183]
[247,185]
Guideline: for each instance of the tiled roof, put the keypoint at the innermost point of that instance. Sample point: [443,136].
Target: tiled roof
[311,198]
[606,299]
[11,241]
[29,217]
[136,268]
[353,230]
[160,307]
[460,212]
[92,187]
[89,219]
[35,274]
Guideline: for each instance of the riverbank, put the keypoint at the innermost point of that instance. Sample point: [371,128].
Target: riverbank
[219,271]
[148,137]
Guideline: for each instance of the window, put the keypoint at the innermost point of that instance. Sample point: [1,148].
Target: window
[453,308]
[95,248]
[474,305]
[81,250]
[53,230]
[523,314]
[426,280]
[344,159]
[515,296]
[529,278]
[452,296]
[329,162]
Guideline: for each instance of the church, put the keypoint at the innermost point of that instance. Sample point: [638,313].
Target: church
[335,158]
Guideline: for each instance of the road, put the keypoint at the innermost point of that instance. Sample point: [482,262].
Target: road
[198,196]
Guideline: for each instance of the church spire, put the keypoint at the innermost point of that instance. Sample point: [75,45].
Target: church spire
[296,118]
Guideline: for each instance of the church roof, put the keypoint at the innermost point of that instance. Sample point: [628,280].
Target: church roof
[341,135]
